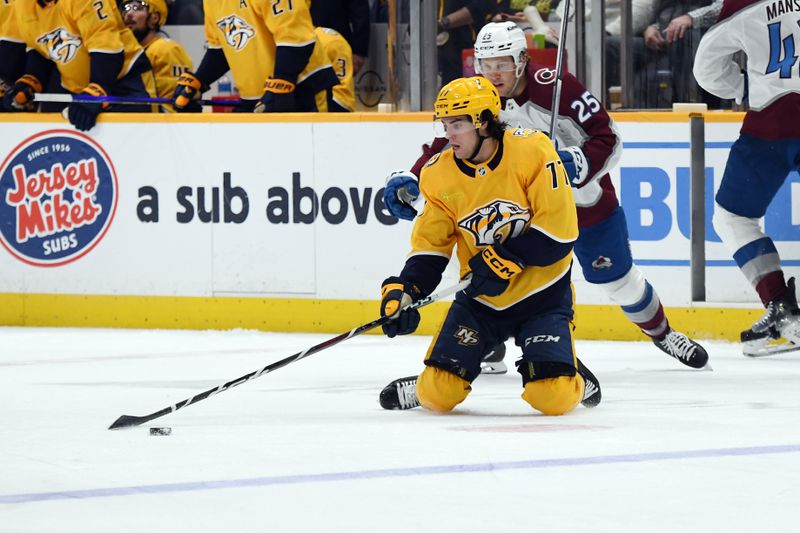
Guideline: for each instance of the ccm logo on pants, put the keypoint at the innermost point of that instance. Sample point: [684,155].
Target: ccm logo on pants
[542,338]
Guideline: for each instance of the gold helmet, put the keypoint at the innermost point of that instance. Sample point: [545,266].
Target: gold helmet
[153,6]
[468,96]
[160,7]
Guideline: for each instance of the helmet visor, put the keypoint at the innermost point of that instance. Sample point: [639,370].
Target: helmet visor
[490,65]
[454,126]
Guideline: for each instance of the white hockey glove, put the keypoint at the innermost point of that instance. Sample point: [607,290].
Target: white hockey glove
[576,164]
[401,195]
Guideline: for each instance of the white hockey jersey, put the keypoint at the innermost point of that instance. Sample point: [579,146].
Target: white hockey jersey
[768,32]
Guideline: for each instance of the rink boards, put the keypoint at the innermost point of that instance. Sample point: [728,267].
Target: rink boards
[277,222]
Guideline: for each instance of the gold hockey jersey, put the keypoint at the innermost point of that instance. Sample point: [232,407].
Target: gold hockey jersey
[522,186]
[67,31]
[340,56]
[9,31]
[248,31]
[169,60]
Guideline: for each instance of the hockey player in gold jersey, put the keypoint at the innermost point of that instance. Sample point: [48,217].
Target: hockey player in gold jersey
[503,200]
[271,50]
[12,48]
[94,52]
[168,58]
[340,55]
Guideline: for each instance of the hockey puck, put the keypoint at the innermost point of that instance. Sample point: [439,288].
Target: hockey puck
[161,431]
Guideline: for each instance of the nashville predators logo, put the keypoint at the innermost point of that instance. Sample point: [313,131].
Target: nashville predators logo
[236,30]
[496,222]
[61,45]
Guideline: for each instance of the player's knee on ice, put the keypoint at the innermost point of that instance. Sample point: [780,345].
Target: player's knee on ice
[550,387]
[554,396]
[440,390]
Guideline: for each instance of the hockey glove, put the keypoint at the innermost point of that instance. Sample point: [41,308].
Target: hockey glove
[278,97]
[575,164]
[402,189]
[492,270]
[396,294]
[20,96]
[189,89]
[83,115]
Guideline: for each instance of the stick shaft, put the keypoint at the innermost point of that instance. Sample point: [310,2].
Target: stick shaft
[121,100]
[130,421]
[562,43]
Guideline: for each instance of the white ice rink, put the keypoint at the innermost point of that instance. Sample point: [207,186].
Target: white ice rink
[307,448]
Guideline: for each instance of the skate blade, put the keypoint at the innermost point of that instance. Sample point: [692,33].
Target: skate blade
[497,367]
[765,348]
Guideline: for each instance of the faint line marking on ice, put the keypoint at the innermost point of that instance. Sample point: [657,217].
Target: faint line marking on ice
[395,472]
[528,428]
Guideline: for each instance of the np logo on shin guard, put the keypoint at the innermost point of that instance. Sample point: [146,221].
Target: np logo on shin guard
[466,336]
[59,194]
[496,222]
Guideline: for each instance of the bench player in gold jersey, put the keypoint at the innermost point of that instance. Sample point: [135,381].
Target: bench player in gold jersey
[168,58]
[503,200]
[271,50]
[95,54]
[12,48]
[340,55]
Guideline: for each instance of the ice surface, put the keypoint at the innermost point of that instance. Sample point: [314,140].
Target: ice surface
[307,448]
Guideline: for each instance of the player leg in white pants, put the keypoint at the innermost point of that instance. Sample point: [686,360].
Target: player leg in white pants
[755,171]
[604,253]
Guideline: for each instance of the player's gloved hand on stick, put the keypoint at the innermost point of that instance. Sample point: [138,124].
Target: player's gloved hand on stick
[396,294]
[19,97]
[83,115]
[575,164]
[402,189]
[188,90]
[278,97]
[492,270]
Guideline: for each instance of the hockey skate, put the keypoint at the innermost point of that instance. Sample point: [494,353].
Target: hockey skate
[682,348]
[492,362]
[591,392]
[778,330]
[400,394]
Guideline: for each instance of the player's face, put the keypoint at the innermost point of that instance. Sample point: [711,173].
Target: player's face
[462,135]
[136,17]
[501,71]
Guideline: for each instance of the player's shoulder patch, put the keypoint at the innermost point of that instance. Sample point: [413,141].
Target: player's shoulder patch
[523,132]
[432,161]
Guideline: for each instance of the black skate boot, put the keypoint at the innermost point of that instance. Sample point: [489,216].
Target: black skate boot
[780,320]
[682,348]
[400,394]
[492,362]
[591,392]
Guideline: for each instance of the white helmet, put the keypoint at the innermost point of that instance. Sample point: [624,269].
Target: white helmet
[499,39]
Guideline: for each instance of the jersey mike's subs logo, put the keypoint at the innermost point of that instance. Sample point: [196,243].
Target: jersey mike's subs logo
[58,192]
[496,222]
[236,30]
[61,45]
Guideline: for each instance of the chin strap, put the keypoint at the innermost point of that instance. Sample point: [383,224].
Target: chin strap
[477,148]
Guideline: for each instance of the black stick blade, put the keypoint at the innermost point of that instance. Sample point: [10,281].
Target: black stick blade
[127,421]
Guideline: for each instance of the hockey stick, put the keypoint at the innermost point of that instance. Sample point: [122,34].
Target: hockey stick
[121,100]
[562,42]
[126,421]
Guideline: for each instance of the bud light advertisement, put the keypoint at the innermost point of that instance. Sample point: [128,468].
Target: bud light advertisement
[59,194]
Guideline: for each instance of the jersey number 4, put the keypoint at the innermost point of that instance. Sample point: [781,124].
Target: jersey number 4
[778,47]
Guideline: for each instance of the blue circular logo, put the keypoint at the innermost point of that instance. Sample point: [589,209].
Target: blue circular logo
[59,196]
